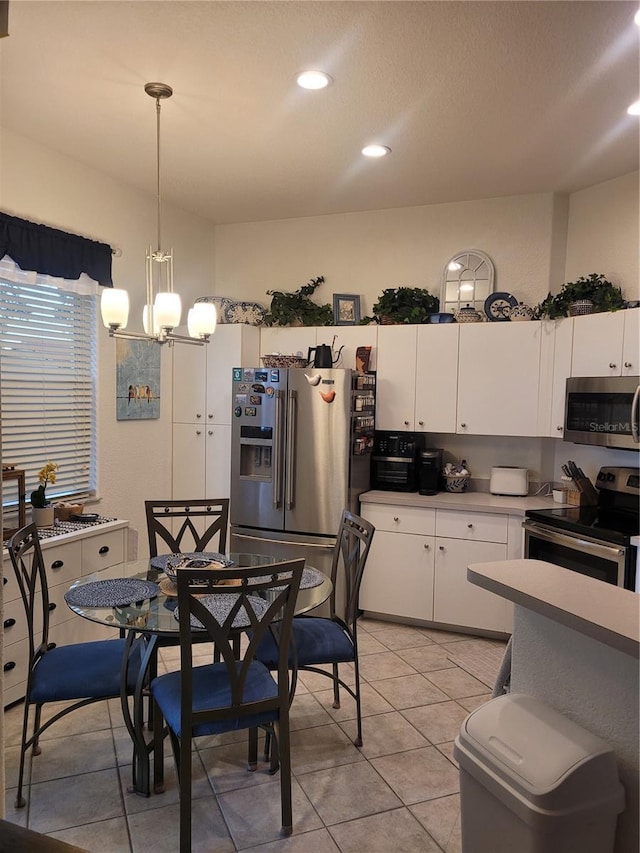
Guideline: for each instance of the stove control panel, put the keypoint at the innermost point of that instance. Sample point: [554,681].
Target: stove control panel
[626,480]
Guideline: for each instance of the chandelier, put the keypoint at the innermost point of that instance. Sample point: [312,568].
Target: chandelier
[163,307]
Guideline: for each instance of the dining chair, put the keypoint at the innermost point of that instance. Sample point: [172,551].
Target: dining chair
[234,693]
[318,640]
[198,524]
[87,672]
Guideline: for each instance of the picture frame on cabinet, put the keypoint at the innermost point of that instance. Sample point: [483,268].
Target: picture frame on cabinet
[346,309]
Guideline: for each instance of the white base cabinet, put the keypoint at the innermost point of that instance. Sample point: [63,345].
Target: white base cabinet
[417,566]
[67,558]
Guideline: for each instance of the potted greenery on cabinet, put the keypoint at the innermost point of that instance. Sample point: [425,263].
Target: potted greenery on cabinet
[404,305]
[587,295]
[297,308]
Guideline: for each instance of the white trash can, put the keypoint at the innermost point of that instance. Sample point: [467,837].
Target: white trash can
[532,781]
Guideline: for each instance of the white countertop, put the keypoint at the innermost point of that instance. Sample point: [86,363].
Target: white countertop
[599,610]
[469,501]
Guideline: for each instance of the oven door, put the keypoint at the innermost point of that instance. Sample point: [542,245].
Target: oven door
[609,563]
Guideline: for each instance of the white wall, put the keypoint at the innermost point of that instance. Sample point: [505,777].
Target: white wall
[134,457]
[364,253]
[603,233]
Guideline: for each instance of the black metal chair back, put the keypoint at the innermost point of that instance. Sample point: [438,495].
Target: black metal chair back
[350,556]
[232,693]
[28,564]
[202,521]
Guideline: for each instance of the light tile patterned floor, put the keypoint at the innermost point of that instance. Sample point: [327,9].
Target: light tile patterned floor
[399,792]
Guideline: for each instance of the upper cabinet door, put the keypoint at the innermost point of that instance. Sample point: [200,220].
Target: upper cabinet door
[499,365]
[396,380]
[597,344]
[437,378]
[189,383]
[631,343]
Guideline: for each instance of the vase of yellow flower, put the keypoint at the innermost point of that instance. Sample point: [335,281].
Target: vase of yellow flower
[42,511]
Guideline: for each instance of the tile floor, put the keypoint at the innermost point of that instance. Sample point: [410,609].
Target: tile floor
[400,792]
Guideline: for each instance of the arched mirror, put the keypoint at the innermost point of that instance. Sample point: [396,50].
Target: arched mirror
[467,280]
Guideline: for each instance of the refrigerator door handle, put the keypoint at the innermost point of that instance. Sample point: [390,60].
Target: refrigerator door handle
[283,542]
[278,440]
[292,416]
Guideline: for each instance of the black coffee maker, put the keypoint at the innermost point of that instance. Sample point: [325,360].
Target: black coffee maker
[429,470]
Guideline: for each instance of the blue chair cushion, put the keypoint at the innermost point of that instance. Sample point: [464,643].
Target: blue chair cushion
[82,670]
[211,690]
[318,640]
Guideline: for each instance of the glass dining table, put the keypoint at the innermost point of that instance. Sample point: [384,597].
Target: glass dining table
[150,621]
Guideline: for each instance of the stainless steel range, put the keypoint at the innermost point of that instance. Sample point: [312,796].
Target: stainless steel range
[592,540]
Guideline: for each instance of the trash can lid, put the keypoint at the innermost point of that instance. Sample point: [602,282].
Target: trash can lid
[549,759]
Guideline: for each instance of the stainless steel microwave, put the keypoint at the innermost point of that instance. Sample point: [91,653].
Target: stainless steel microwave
[603,410]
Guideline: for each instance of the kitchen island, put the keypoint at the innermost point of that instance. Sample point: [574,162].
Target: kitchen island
[576,644]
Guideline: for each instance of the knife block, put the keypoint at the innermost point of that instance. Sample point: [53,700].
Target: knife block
[589,497]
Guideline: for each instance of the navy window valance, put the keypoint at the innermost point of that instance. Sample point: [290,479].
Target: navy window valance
[52,252]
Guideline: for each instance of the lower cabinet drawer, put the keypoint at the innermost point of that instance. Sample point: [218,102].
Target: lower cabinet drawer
[475,526]
[15,664]
[101,551]
[14,625]
[401,519]
[62,562]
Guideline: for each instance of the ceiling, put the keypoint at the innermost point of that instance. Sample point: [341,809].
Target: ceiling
[475,99]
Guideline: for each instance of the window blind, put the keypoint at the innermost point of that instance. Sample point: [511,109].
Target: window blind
[48,364]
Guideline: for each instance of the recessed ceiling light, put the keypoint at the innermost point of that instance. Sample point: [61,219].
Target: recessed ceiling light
[636,17]
[376,151]
[313,80]
[634,109]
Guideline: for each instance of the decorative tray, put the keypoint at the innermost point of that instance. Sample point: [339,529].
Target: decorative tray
[251,313]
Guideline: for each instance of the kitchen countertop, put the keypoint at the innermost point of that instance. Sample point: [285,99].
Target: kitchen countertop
[468,501]
[598,610]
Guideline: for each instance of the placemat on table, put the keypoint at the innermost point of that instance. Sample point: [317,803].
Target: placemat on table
[113,592]
[220,606]
[162,560]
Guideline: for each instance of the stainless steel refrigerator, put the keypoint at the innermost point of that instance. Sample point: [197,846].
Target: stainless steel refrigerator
[301,443]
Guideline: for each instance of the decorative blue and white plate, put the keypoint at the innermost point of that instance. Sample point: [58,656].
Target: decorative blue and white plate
[251,313]
[498,306]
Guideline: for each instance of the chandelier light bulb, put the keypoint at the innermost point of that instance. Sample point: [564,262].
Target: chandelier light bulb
[201,320]
[634,109]
[114,307]
[146,325]
[167,310]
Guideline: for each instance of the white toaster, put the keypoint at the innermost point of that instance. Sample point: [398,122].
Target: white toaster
[509,480]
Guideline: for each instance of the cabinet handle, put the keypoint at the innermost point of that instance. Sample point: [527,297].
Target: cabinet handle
[442,548]
[421,423]
[198,415]
[57,564]
[464,426]
[9,623]
[470,526]
[396,519]
[198,432]
[5,581]
[406,423]
[559,428]
[628,364]
[210,432]
[611,364]
[9,665]
[51,646]
[427,547]
[52,606]
[210,416]
[103,550]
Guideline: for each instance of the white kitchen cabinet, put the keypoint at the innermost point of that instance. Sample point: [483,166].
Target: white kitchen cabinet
[202,410]
[463,538]
[67,558]
[555,369]
[202,375]
[417,377]
[498,378]
[350,338]
[607,344]
[458,602]
[289,340]
[398,577]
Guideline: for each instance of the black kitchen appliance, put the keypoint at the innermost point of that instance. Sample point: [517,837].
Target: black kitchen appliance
[429,471]
[592,540]
[394,461]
